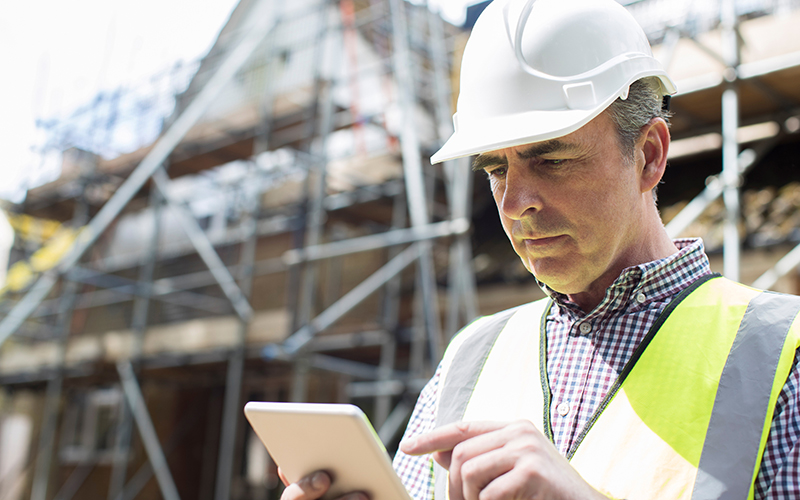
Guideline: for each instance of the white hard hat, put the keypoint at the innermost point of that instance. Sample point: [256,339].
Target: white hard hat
[536,70]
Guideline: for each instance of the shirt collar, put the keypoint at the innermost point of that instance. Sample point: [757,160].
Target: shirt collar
[647,282]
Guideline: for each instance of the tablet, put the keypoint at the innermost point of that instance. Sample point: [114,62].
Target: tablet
[338,438]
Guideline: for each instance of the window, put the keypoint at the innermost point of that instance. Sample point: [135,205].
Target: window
[90,425]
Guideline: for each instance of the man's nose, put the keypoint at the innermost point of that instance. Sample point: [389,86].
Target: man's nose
[521,193]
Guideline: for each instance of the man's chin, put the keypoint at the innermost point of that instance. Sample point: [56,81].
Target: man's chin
[551,272]
[558,282]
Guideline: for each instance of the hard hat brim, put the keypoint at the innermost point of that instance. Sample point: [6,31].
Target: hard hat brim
[493,133]
[532,126]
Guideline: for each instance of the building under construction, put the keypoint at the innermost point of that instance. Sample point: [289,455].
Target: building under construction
[265,225]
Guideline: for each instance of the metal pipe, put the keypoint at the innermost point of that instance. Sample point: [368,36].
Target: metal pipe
[390,238]
[172,290]
[441,77]
[145,471]
[133,290]
[205,249]
[391,315]
[230,413]
[783,267]
[385,371]
[231,410]
[430,303]
[52,405]
[141,308]
[340,341]
[379,388]
[300,372]
[395,421]
[184,298]
[300,297]
[74,481]
[318,171]
[730,144]
[392,291]
[146,430]
[303,336]
[731,182]
[461,279]
[44,455]
[412,168]
[409,140]
[316,213]
[465,308]
[347,367]
[746,160]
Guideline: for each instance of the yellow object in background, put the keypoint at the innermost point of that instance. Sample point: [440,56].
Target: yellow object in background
[18,277]
[56,240]
[32,228]
[55,248]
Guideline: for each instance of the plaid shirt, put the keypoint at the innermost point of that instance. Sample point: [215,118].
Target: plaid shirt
[586,352]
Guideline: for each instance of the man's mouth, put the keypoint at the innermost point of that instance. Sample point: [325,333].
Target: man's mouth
[542,241]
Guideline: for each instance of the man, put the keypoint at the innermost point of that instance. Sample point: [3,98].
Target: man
[643,375]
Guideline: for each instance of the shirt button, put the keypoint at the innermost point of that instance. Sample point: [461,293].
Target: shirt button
[641,298]
[563,409]
[585,328]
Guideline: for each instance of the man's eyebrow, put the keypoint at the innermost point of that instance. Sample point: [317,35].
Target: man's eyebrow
[486,160]
[533,151]
[546,148]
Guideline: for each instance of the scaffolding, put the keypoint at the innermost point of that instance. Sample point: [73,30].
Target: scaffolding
[320,153]
[284,238]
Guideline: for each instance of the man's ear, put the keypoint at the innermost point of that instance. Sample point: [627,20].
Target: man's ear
[653,146]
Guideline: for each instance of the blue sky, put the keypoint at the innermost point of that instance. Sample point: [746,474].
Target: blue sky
[56,55]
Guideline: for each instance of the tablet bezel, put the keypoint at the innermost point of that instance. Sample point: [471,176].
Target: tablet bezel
[338,438]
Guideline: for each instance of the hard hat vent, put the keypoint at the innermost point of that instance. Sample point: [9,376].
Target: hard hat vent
[580,95]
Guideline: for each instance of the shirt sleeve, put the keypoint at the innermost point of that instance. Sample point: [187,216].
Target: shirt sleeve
[780,465]
[416,472]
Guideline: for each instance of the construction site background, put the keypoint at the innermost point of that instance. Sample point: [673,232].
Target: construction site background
[264,224]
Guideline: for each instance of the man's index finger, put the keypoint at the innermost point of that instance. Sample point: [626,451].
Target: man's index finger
[445,438]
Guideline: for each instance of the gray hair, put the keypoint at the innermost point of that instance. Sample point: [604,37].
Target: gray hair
[644,103]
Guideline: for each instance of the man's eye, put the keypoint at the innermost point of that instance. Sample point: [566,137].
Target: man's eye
[555,163]
[496,172]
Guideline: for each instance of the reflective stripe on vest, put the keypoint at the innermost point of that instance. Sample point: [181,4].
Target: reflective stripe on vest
[768,314]
[663,419]
[457,400]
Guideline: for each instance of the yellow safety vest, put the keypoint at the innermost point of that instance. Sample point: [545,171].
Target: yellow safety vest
[688,417]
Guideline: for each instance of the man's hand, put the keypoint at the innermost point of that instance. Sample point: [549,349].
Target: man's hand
[312,487]
[499,461]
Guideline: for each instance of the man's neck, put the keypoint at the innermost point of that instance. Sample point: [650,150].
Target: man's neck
[659,246]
